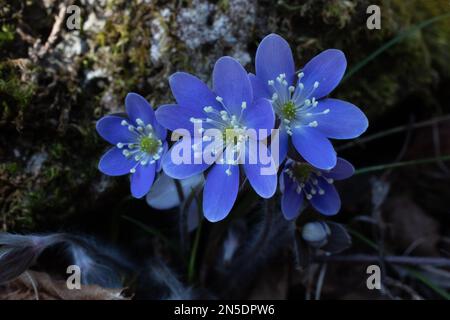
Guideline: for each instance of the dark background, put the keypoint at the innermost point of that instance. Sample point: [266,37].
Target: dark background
[52,91]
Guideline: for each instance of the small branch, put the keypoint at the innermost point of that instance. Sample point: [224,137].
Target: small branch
[358,142]
[402,164]
[405,260]
[54,32]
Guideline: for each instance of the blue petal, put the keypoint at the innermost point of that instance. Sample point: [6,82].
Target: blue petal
[281,137]
[110,129]
[262,177]
[260,89]
[114,163]
[314,147]
[190,92]
[182,170]
[220,192]
[142,180]
[259,115]
[328,68]
[231,83]
[274,57]
[343,121]
[138,108]
[161,132]
[341,171]
[175,117]
[291,201]
[329,203]
[159,161]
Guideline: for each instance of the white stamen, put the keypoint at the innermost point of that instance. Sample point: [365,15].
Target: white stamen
[139,122]
[208,109]
[316,84]
[244,105]
[220,99]
[124,122]
[119,145]
[313,124]
[228,172]
[132,170]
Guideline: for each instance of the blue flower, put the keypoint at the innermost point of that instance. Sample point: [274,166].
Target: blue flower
[231,109]
[299,100]
[299,180]
[139,144]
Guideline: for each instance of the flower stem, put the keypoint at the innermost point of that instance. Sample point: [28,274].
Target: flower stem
[191,267]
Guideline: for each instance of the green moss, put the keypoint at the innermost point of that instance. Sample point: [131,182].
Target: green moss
[14,93]
[6,34]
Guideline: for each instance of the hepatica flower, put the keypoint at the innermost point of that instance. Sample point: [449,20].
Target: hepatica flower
[230,109]
[139,144]
[300,181]
[299,100]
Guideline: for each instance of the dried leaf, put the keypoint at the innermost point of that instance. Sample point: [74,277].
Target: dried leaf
[32,285]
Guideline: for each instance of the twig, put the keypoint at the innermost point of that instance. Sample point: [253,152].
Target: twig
[395,283]
[402,164]
[392,131]
[402,260]
[54,32]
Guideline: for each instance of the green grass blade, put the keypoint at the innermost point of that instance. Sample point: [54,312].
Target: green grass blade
[402,35]
[419,276]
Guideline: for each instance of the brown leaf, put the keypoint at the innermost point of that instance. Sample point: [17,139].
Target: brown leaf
[32,285]
[410,225]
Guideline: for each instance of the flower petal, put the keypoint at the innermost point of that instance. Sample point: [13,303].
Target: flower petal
[138,108]
[343,120]
[341,171]
[114,163]
[274,57]
[291,201]
[190,92]
[174,117]
[262,177]
[260,89]
[328,68]
[314,147]
[179,163]
[329,203]
[283,140]
[259,115]
[142,180]
[231,83]
[110,129]
[220,192]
